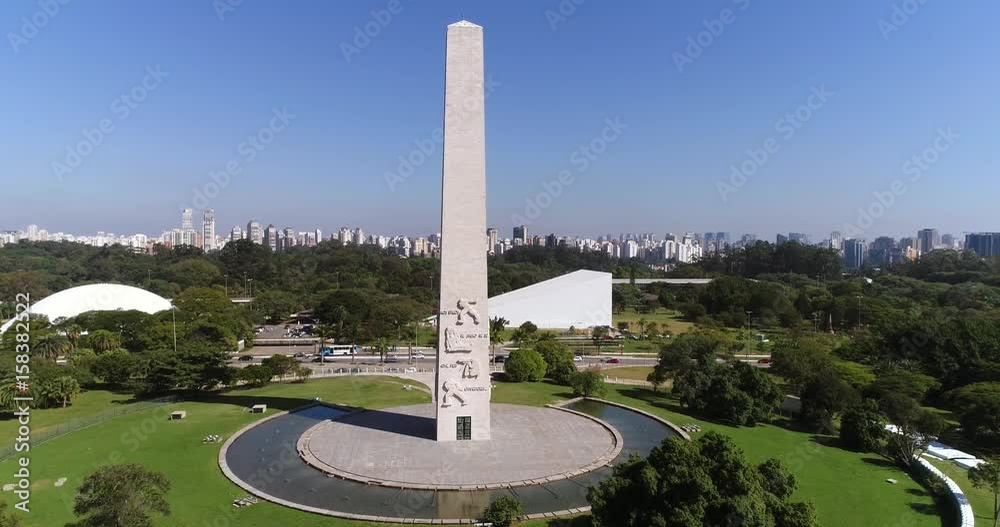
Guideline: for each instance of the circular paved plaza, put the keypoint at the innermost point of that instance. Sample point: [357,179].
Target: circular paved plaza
[396,448]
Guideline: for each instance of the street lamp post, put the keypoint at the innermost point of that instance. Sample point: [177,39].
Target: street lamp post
[749,331]
[173,318]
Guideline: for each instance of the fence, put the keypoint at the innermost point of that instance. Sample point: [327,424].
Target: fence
[958,498]
[61,429]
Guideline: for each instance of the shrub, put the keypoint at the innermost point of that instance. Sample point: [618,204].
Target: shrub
[588,384]
[503,511]
[558,360]
[525,365]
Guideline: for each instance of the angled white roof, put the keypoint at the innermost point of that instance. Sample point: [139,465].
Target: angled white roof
[96,297]
[581,299]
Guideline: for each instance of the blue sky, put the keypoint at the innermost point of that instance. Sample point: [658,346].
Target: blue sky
[558,78]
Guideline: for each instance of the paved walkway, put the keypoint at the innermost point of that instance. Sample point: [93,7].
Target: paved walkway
[396,448]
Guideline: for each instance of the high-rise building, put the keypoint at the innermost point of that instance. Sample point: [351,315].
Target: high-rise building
[271,237]
[984,244]
[345,236]
[32,232]
[928,240]
[187,219]
[318,236]
[881,250]
[780,239]
[836,241]
[799,238]
[854,253]
[254,232]
[208,230]
[358,236]
[287,239]
[236,233]
[949,241]
[520,233]
[491,240]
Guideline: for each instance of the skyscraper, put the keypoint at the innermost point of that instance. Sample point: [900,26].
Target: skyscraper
[854,253]
[254,232]
[520,235]
[236,233]
[187,219]
[984,244]
[345,236]
[928,240]
[491,240]
[271,237]
[208,230]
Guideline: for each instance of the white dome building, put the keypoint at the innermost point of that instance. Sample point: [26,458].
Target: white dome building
[95,297]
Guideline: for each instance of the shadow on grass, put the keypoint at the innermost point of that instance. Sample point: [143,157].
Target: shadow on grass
[879,462]
[579,521]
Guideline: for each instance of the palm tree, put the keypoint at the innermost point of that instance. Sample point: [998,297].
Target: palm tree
[73,333]
[61,389]
[103,340]
[497,327]
[382,347]
[9,390]
[324,332]
[598,334]
[50,346]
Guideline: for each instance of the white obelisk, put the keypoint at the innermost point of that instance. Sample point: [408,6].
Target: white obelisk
[462,382]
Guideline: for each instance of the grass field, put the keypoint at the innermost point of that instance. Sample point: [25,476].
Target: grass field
[666,318]
[847,488]
[636,373]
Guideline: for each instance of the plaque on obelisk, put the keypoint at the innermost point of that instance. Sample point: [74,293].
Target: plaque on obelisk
[462,384]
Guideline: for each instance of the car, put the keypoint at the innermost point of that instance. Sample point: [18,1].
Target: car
[577,358]
[392,358]
[500,359]
[765,360]
[299,355]
[613,361]
[246,358]
[418,354]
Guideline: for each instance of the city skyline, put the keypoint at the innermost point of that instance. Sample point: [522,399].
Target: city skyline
[675,146]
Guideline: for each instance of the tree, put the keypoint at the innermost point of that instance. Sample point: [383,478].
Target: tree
[915,427]
[381,347]
[525,333]
[588,384]
[280,365]
[693,483]
[73,334]
[525,365]
[61,389]
[497,326]
[735,392]
[986,476]
[823,397]
[8,519]
[558,359]
[256,374]
[121,496]
[302,373]
[598,334]
[115,367]
[978,408]
[103,340]
[503,511]
[50,346]
[862,427]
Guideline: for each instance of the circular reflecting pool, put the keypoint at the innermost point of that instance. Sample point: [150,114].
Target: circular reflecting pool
[264,460]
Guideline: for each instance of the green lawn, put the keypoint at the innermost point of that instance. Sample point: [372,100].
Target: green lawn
[636,373]
[847,488]
[981,500]
[666,318]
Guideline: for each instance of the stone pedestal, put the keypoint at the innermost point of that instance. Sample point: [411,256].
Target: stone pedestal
[462,384]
